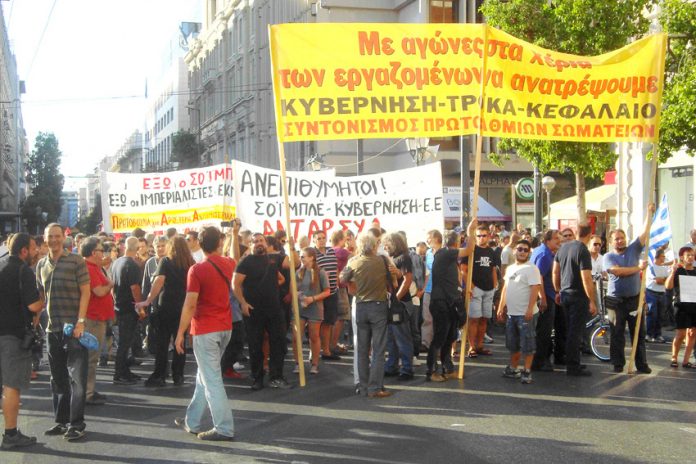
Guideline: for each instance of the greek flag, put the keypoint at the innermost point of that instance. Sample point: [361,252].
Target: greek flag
[661,229]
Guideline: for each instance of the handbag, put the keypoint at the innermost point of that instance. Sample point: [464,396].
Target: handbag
[396,309]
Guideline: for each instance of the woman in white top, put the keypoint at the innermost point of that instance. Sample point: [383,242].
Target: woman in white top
[655,296]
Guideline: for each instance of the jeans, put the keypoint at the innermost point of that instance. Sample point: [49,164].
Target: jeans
[68,363]
[372,329]
[127,325]
[657,304]
[165,325]
[98,329]
[400,344]
[618,334]
[445,323]
[210,391]
[544,328]
[576,309]
[273,322]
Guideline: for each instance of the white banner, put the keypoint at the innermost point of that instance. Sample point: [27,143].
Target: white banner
[408,200]
[156,201]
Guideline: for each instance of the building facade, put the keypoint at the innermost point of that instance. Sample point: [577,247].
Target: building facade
[13,140]
[69,211]
[231,91]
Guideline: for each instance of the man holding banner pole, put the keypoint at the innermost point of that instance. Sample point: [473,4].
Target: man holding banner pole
[624,267]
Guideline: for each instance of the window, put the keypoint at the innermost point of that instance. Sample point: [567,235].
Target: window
[444,11]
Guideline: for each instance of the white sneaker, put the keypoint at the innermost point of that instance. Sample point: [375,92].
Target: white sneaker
[237,366]
[487,339]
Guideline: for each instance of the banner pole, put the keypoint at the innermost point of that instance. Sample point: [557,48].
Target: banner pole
[643,283]
[291,237]
[474,205]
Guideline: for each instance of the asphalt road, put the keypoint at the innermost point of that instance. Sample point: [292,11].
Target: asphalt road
[484,418]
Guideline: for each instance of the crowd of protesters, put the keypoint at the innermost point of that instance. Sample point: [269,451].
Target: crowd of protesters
[212,291]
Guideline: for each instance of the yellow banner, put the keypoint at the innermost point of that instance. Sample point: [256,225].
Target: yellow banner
[122,223]
[347,81]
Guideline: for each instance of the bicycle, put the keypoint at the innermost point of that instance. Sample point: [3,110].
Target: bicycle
[600,335]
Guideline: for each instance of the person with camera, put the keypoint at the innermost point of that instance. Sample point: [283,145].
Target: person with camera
[18,300]
[64,280]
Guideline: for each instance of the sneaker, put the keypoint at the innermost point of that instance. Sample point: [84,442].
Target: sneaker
[232,374]
[96,399]
[213,435]
[644,370]
[650,339]
[74,433]
[280,383]
[58,429]
[661,339]
[526,377]
[124,380]
[155,382]
[181,423]
[510,373]
[18,440]
[487,339]
[435,377]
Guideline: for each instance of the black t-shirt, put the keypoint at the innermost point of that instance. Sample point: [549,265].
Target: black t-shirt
[573,257]
[261,283]
[15,297]
[445,275]
[677,289]
[278,258]
[485,262]
[173,293]
[126,272]
[405,265]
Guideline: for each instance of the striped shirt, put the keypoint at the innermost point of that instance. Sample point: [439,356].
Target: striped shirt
[60,283]
[328,262]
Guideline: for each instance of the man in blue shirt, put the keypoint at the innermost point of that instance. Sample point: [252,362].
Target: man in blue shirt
[623,266]
[542,258]
[435,243]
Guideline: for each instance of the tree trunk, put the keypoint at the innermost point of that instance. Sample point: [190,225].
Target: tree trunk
[580,192]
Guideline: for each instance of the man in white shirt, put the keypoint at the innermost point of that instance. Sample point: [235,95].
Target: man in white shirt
[655,297]
[519,300]
[195,246]
[507,256]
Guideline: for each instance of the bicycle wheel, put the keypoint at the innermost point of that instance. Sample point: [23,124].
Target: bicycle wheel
[599,341]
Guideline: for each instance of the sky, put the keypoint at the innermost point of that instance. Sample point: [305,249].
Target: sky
[86,78]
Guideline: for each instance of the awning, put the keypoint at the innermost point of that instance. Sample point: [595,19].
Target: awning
[452,198]
[598,200]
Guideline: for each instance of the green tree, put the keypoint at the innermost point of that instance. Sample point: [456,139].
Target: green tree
[679,99]
[186,150]
[43,171]
[580,27]
[89,224]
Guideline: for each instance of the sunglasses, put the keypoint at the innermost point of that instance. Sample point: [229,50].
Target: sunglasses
[522,250]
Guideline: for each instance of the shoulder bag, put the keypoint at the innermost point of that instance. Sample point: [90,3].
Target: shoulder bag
[396,310]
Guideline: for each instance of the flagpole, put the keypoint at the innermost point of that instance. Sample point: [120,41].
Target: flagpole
[291,238]
[474,205]
[641,295]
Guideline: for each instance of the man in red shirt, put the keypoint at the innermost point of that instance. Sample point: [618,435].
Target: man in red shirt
[99,311]
[207,309]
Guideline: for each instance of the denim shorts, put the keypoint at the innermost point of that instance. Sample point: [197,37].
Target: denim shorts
[15,363]
[481,304]
[520,335]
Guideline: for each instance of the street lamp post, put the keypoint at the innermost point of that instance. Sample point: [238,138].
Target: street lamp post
[548,183]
